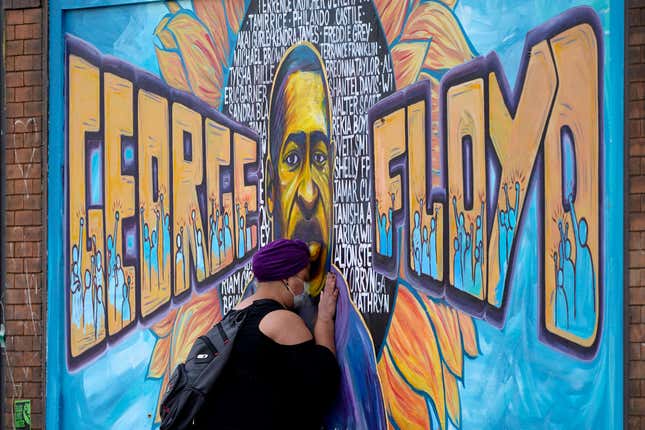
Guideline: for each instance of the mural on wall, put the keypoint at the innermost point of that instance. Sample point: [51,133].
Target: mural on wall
[457,178]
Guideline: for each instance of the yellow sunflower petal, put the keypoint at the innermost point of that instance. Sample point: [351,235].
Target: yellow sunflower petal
[163,327]
[235,13]
[165,37]
[435,21]
[392,14]
[468,334]
[172,69]
[194,319]
[214,18]
[160,357]
[450,3]
[446,324]
[173,6]
[415,352]
[202,61]
[404,406]
[453,404]
[407,58]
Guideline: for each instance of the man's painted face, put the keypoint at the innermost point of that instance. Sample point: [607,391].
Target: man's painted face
[302,183]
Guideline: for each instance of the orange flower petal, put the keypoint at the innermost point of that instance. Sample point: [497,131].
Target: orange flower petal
[194,319]
[435,21]
[415,352]
[160,356]
[165,37]
[202,61]
[172,69]
[235,12]
[446,324]
[162,327]
[173,6]
[453,404]
[407,58]
[214,18]
[468,334]
[450,3]
[392,14]
[404,406]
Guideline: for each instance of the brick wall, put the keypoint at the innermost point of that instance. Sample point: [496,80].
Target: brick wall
[635,132]
[23,296]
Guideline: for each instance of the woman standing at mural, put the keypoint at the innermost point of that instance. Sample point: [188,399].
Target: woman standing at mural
[292,375]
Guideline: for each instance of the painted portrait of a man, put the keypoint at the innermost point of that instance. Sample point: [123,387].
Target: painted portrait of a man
[298,172]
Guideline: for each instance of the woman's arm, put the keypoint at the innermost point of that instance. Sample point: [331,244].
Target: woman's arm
[324,328]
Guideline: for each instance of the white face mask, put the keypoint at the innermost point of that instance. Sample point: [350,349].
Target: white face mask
[298,299]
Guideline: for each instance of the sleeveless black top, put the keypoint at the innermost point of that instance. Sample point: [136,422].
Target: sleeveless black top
[266,385]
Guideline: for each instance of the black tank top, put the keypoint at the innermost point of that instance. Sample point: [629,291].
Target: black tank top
[266,385]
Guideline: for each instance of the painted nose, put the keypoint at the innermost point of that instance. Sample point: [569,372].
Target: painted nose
[308,196]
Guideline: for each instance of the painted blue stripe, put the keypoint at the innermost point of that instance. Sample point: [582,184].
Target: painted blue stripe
[55,295]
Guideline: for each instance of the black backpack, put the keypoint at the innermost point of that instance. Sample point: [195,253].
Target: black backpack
[192,380]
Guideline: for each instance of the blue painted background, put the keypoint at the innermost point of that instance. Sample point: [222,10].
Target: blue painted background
[517,382]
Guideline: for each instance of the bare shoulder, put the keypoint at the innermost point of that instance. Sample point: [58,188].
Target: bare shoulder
[244,304]
[285,327]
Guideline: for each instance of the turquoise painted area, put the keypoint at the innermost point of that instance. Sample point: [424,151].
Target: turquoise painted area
[517,382]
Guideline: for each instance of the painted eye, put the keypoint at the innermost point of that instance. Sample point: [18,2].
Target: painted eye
[319,158]
[292,159]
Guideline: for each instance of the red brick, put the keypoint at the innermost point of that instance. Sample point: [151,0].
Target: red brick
[637,72]
[634,166]
[33,46]
[14,79]
[26,186]
[15,141]
[26,312]
[636,91]
[10,32]
[637,184]
[28,94]
[33,77]
[14,110]
[13,17]
[636,35]
[33,389]
[33,108]
[14,328]
[636,220]
[33,233]
[33,16]
[33,265]
[637,406]
[23,4]
[14,265]
[14,296]
[14,47]
[28,31]
[636,294]
[634,423]
[35,218]
[637,334]
[634,386]
[32,249]
[636,369]
[14,234]
[28,358]
[32,202]
[36,419]
[23,343]
[27,155]
[34,62]
[14,202]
